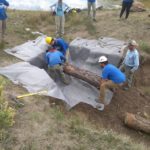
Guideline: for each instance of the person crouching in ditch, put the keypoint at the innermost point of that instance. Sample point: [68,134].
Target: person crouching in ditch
[111,78]
[55,60]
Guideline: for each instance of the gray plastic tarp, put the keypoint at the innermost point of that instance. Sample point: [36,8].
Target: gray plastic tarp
[32,78]
[84,54]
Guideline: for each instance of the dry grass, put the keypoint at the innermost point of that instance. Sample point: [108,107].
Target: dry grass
[51,128]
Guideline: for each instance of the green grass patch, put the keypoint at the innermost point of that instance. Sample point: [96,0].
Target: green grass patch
[104,140]
[75,19]
[7,113]
[144,47]
[58,114]
[36,117]
[39,18]
[29,145]
[90,27]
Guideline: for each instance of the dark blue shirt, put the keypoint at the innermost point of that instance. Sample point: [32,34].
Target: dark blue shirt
[110,72]
[61,45]
[128,1]
[3,4]
[92,1]
[55,58]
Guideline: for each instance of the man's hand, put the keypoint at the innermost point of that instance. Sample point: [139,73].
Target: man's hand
[102,80]
[132,70]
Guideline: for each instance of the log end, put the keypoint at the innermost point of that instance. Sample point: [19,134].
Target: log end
[129,118]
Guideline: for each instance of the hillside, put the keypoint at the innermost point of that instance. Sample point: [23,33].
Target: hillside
[45,124]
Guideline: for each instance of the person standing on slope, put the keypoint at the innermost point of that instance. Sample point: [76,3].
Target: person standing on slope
[92,4]
[126,5]
[59,11]
[3,16]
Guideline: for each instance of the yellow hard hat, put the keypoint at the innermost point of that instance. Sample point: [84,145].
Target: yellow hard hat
[74,11]
[48,40]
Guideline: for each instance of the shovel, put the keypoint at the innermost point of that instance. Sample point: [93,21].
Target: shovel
[31,94]
[15,98]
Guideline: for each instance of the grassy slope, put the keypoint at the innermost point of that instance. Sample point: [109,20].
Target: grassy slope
[39,126]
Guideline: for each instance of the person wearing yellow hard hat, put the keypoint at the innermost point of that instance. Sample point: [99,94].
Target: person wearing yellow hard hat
[60,44]
[59,9]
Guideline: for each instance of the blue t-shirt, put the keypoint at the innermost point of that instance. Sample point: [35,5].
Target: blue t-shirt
[61,45]
[3,14]
[59,11]
[54,58]
[111,72]
[92,1]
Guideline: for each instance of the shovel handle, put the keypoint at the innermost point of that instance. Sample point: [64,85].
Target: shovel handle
[30,94]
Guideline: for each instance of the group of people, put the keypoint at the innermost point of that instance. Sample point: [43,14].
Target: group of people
[58,52]
[111,77]
[58,9]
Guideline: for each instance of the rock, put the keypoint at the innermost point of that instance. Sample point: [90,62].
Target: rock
[37,33]
[27,29]
[138,7]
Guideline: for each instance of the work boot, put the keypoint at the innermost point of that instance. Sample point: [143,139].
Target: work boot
[100,107]
[65,81]
[126,88]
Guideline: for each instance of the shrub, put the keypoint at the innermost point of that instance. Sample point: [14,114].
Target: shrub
[7,114]
[144,47]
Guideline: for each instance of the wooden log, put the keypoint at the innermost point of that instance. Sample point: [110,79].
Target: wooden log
[82,74]
[136,122]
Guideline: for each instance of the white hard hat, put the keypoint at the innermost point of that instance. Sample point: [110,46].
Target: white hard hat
[102,59]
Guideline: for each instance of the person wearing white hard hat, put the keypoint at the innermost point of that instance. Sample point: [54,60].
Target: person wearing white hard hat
[111,77]
[130,63]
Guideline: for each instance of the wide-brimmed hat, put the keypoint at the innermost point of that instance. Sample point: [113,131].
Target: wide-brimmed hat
[132,43]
